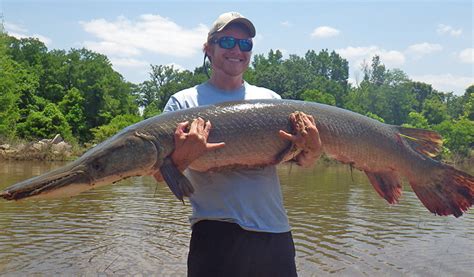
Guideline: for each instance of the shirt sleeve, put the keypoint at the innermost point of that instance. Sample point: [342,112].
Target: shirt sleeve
[172,105]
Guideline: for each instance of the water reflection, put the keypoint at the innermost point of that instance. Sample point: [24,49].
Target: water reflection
[340,225]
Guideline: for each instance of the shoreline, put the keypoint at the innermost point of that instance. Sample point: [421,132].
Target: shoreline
[55,149]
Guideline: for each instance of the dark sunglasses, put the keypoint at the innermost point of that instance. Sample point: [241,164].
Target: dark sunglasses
[245,45]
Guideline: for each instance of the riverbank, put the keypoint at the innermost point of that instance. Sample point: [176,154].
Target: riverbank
[54,149]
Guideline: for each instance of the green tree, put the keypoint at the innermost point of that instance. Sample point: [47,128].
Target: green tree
[45,124]
[314,95]
[296,77]
[458,135]
[468,100]
[421,91]
[417,120]
[72,106]
[269,72]
[434,110]
[332,68]
[119,122]
[10,76]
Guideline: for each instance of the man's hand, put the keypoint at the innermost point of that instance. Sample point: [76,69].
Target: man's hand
[306,139]
[190,145]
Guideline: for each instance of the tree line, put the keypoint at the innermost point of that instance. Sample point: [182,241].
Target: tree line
[78,94]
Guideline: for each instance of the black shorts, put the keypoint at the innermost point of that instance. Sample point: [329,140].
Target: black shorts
[225,249]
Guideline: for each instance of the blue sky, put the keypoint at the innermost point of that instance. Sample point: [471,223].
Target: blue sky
[431,41]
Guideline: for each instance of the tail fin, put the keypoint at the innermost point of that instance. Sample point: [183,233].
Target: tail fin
[450,191]
[423,141]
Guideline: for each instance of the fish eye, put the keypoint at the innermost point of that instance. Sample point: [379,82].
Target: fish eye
[96,166]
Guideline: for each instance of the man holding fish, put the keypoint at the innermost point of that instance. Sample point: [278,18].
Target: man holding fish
[239,224]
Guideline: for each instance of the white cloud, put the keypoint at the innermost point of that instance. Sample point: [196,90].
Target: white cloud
[128,62]
[357,55]
[112,48]
[446,82]
[286,23]
[176,66]
[421,49]
[153,33]
[12,27]
[467,55]
[449,30]
[324,32]
[20,32]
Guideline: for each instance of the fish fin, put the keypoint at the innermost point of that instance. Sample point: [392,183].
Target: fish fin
[351,166]
[425,142]
[448,191]
[176,181]
[387,184]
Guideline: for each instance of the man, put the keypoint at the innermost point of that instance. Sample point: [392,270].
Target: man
[239,224]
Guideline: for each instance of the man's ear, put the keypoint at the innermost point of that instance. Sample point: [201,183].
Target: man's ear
[207,51]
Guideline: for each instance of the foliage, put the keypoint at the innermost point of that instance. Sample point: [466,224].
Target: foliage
[119,122]
[82,83]
[10,76]
[374,116]
[314,95]
[417,120]
[458,135]
[45,124]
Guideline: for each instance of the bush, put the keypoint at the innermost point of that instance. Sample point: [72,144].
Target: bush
[45,124]
[119,122]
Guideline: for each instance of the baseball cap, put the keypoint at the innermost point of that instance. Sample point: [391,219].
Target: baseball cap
[227,18]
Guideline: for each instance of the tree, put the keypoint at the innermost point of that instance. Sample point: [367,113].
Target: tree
[421,91]
[10,76]
[468,100]
[458,135]
[417,120]
[118,123]
[314,95]
[296,77]
[45,124]
[434,110]
[268,72]
[377,72]
[72,106]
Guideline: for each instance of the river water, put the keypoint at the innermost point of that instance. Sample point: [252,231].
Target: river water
[341,227]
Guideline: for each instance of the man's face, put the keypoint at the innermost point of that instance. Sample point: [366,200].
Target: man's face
[232,62]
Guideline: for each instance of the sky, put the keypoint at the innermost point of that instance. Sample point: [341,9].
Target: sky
[431,41]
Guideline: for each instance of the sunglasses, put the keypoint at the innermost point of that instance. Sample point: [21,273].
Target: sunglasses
[245,45]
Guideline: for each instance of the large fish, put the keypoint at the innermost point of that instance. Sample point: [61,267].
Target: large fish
[386,153]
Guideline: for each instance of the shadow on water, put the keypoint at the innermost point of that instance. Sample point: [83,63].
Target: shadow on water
[340,226]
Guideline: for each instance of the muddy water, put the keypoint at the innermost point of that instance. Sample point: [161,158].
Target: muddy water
[340,225]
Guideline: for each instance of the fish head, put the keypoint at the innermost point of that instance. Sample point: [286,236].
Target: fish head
[126,156]
[118,158]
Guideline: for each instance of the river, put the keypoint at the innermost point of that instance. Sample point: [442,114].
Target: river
[341,227]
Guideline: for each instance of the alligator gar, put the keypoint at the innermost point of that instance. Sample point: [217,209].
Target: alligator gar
[386,153]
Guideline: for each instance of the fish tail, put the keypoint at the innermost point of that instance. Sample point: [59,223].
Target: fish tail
[445,192]
[425,142]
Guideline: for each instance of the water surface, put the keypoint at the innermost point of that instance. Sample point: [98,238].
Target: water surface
[341,227]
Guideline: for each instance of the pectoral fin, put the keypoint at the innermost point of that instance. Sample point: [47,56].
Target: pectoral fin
[176,181]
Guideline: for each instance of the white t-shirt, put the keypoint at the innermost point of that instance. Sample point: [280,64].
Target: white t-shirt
[251,198]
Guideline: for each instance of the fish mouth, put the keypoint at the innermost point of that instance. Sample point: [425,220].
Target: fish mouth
[47,185]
